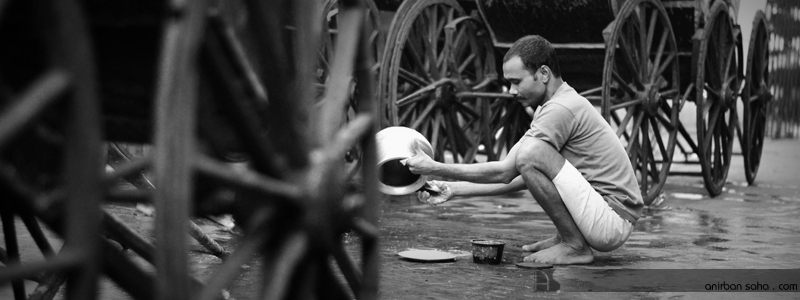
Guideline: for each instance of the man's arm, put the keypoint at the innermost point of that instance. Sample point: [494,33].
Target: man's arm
[439,192]
[467,189]
[503,171]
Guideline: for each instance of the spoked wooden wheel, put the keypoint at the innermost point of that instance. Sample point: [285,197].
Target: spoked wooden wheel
[297,226]
[292,202]
[755,97]
[50,164]
[717,85]
[640,93]
[435,56]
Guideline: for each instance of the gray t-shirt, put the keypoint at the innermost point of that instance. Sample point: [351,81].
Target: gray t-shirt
[577,130]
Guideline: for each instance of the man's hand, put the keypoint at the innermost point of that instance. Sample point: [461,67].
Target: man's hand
[435,193]
[420,163]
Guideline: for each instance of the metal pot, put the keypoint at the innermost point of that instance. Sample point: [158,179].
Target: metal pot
[395,144]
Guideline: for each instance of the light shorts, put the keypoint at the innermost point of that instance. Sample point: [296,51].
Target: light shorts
[601,226]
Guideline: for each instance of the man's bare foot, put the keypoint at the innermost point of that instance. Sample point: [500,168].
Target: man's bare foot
[562,254]
[543,244]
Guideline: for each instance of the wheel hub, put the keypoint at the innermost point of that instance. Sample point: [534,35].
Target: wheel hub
[444,94]
[652,99]
[727,95]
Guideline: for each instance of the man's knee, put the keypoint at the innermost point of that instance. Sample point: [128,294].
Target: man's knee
[537,155]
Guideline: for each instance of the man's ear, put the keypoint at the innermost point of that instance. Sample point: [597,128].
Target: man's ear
[545,70]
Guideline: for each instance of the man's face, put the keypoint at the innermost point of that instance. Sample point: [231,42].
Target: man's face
[528,88]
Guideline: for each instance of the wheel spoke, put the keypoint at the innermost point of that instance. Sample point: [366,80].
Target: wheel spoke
[232,266]
[624,123]
[717,158]
[712,124]
[466,109]
[730,63]
[616,120]
[450,132]
[725,128]
[664,65]
[654,172]
[635,130]
[629,61]
[626,104]
[651,167]
[644,154]
[285,262]
[413,98]
[408,112]
[416,58]
[453,51]
[459,139]
[669,93]
[413,78]
[438,145]
[430,44]
[466,63]
[424,115]
[633,150]
[35,99]
[591,91]
[622,83]
[650,33]
[659,140]
[712,92]
[415,95]
[426,126]
[348,267]
[665,122]
[659,65]
[642,50]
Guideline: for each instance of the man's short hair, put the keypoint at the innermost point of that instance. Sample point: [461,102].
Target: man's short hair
[535,51]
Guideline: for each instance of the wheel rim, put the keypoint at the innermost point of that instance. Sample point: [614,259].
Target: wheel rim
[430,64]
[755,97]
[327,55]
[717,84]
[642,103]
[50,137]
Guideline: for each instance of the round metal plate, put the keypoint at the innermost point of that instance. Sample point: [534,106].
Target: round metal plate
[427,255]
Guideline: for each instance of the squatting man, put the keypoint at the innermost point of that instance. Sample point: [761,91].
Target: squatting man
[570,160]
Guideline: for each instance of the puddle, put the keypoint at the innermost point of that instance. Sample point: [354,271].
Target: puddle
[492,216]
[733,199]
[688,196]
[708,240]
[543,281]
[637,243]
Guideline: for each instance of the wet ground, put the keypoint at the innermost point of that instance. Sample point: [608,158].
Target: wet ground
[746,235]
[709,240]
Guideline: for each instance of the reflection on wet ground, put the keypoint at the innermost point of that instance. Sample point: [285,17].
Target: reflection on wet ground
[744,228]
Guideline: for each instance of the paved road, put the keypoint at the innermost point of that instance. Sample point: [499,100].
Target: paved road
[747,227]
